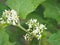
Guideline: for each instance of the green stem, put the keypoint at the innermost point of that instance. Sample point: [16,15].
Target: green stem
[22,28]
[39,42]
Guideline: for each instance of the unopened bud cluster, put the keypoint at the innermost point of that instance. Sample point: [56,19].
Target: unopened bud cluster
[9,17]
[34,30]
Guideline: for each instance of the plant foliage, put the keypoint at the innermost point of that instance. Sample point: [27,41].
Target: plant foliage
[45,11]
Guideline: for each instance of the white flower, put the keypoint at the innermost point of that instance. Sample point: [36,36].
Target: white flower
[27,37]
[31,22]
[39,36]
[34,20]
[35,29]
[10,17]
[30,26]
[14,23]
[34,32]
[2,21]
[14,12]
[42,26]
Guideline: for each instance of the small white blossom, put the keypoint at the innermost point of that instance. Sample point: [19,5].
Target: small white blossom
[14,12]
[10,17]
[2,21]
[34,32]
[31,22]
[38,36]
[27,37]
[42,26]
[30,26]
[34,21]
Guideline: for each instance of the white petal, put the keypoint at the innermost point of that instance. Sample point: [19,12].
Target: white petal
[14,23]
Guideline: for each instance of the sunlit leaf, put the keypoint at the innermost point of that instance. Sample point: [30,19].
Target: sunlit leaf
[24,7]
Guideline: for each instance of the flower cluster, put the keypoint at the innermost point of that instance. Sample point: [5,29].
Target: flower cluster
[10,17]
[34,29]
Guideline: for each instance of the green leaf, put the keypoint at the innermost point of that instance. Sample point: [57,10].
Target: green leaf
[54,39]
[24,7]
[4,38]
[51,25]
[16,35]
[34,42]
[35,16]
[52,9]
